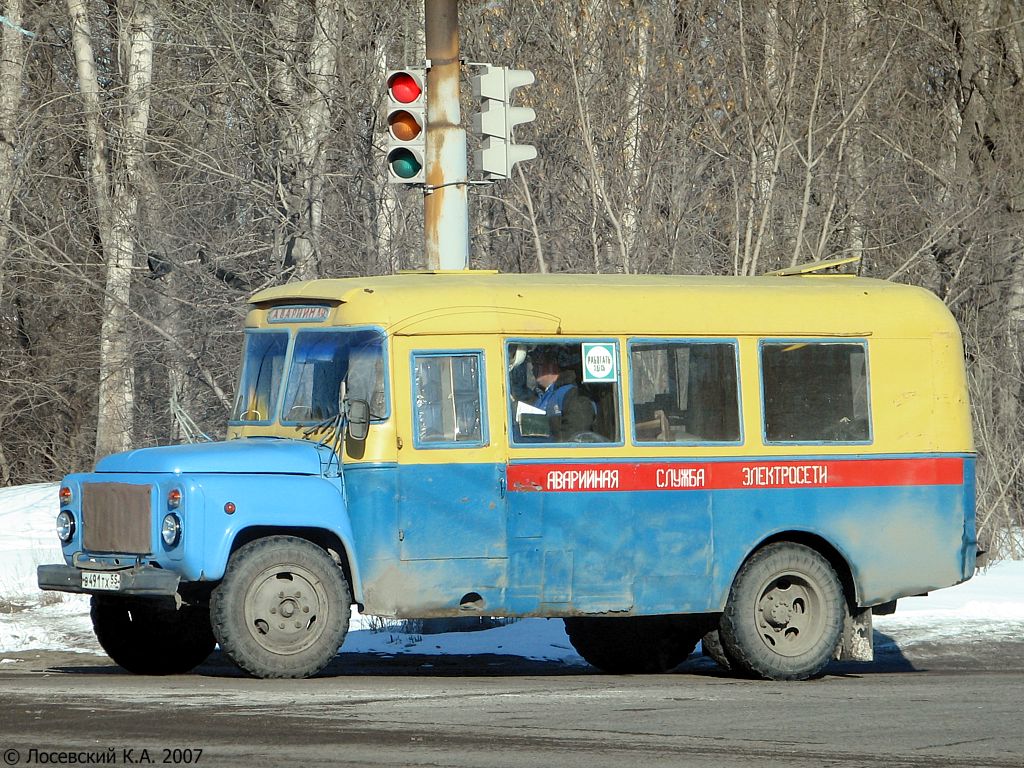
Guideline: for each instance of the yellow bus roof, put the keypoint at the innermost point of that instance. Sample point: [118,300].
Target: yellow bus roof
[568,304]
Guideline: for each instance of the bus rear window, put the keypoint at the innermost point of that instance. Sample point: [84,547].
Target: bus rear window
[815,392]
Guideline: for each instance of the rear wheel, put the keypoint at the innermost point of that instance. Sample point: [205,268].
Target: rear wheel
[633,644]
[148,638]
[711,645]
[784,617]
[282,609]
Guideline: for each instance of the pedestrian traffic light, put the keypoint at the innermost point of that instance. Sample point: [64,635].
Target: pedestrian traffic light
[497,119]
[407,122]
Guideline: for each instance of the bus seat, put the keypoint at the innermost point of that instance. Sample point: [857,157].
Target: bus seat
[654,429]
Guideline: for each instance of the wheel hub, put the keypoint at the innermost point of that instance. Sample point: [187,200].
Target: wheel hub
[287,608]
[779,614]
[789,615]
[290,619]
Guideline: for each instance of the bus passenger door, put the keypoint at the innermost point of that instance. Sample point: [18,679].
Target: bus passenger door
[451,503]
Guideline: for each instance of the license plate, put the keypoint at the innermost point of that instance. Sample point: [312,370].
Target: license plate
[106,581]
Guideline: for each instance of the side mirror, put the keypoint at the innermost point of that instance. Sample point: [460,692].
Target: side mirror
[358,420]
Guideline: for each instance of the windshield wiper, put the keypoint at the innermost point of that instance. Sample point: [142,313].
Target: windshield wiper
[321,425]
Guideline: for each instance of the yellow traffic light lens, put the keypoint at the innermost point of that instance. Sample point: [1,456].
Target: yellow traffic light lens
[404,88]
[404,126]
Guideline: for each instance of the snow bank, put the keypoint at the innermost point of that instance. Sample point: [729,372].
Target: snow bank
[995,594]
[28,538]
[29,618]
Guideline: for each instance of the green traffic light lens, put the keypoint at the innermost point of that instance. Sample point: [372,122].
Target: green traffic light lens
[404,164]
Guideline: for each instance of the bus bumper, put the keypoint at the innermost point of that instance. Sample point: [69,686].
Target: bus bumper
[143,581]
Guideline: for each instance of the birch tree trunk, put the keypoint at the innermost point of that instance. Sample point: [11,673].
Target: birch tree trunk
[1007,17]
[115,198]
[631,149]
[857,167]
[303,126]
[766,140]
[11,66]
[10,97]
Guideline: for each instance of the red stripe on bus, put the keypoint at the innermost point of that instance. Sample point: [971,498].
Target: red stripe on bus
[729,475]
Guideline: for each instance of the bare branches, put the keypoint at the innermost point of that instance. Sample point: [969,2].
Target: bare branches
[696,137]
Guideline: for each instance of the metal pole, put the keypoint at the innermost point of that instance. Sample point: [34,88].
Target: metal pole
[446,205]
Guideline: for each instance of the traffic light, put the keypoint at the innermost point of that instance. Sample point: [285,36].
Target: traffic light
[407,122]
[497,119]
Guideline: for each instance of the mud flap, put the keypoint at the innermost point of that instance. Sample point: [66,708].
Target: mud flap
[858,640]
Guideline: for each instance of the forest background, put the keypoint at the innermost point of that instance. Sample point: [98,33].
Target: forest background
[160,160]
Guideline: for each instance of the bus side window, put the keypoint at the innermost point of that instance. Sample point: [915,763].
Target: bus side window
[551,401]
[684,392]
[447,400]
[815,391]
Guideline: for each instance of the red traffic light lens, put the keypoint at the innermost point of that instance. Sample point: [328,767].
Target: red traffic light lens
[404,88]
[404,126]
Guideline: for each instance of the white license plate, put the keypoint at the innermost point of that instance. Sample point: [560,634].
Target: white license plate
[107,581]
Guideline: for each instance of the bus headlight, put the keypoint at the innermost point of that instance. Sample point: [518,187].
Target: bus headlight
[170,531]
[65,527]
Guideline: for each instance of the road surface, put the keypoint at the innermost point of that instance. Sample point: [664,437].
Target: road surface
[944,707]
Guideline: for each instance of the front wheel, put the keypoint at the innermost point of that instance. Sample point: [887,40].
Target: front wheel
[784,616]
[282,609]
[148,638]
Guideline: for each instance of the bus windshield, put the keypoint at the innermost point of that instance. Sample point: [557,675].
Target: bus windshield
[321,361]
[262,369]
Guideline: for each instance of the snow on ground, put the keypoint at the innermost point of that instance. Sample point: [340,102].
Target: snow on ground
[989,606]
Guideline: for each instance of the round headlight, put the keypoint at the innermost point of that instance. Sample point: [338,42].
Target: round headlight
[65,526]
[170,531]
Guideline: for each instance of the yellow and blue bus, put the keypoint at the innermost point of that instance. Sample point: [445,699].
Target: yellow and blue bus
[759,462]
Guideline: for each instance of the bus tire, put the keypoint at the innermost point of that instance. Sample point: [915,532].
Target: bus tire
[784,616]
[631,645]
[282,609]
[711,646]
[146,638]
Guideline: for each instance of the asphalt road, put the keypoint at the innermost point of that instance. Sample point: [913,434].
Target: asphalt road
[944,707]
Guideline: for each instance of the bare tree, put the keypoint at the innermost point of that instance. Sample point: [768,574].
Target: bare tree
[11,67]
[154,174]
[116,199]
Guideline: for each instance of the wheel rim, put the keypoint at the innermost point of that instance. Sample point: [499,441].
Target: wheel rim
[286,609]
[790,614]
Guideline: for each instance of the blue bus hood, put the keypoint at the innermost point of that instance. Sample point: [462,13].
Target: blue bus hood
[243,456]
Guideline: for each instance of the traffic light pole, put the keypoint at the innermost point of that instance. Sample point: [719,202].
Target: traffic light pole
[446,203]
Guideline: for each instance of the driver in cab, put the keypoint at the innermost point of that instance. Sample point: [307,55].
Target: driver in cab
[568,411]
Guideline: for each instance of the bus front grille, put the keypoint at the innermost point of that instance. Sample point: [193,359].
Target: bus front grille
[117,517]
